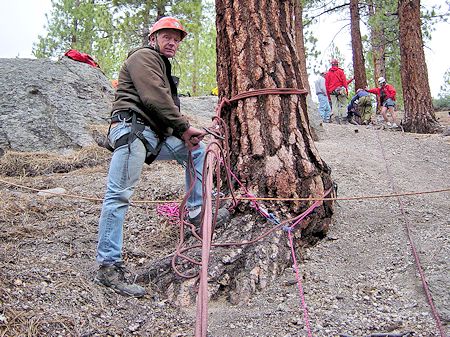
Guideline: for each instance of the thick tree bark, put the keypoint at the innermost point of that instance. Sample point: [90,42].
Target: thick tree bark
[272,154]
[271,145]
[419,113]
[300,43]
[359,69]
[272,151]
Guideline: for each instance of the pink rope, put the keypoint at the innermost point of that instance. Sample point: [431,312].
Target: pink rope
[300,287]
[412,245]
[201,327]
[294,258]
[169,210]
[253,203]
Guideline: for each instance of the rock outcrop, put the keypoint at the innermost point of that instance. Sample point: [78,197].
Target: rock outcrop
[51,105]
[56,106]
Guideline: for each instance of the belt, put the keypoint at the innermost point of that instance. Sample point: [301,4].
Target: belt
[125,115]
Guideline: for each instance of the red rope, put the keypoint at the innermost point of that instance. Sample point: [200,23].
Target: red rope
[212,162]
[428,295]
[201,327]
[259,92]
[202,302]
[300,286]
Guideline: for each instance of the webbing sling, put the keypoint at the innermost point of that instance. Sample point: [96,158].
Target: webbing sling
[137,129]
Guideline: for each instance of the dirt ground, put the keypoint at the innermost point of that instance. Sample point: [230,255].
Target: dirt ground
[361,279]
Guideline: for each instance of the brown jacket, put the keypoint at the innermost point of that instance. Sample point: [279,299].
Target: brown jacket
[146,87]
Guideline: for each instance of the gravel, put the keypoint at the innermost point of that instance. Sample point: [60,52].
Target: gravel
[361,279]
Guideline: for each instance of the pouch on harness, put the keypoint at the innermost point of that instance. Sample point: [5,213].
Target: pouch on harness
[137,128]
[339,91]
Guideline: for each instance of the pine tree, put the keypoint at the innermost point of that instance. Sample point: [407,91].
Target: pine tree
[85,25]
[419,114]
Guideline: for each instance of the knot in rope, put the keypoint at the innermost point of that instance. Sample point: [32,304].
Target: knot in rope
[287,228]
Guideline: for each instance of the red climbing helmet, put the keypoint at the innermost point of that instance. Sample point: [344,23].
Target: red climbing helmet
[168,22]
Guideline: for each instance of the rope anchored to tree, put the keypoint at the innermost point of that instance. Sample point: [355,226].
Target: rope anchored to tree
[217,154]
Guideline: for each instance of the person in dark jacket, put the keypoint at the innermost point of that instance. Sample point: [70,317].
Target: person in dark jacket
[387,94]
[146,125]
[337,90]
[362,105]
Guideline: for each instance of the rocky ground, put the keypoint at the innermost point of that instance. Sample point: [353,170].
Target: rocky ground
[361,279]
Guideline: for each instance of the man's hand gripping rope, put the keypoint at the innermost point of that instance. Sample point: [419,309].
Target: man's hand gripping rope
[192,137]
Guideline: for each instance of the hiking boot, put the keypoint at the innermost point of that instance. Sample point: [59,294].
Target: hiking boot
[113,276]
[223,215]
[394,126]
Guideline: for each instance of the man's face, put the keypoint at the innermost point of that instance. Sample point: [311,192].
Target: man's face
[168,41]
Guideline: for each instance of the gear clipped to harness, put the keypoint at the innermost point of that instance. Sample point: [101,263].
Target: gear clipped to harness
[137,129]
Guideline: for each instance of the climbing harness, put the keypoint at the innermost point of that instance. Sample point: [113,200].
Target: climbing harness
[137,128]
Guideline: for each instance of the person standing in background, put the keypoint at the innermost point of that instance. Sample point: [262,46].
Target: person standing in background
[387,93]
[337,90]
[321,92]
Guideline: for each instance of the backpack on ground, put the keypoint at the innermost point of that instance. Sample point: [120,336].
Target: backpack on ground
[81,57]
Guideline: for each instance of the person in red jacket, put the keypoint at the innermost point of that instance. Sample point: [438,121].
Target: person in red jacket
[387,93]
[337,90]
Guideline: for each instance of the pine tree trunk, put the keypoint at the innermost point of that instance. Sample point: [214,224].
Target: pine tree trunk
[300,43]
[419,113]
[378,44]
[272,151]
[271,146]
[272,154]
[359,68]
[73,39]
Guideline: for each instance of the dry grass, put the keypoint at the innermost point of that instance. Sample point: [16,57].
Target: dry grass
[47,247]
[36,324]
[32,164]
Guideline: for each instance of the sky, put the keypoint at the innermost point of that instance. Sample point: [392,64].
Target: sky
[21,21]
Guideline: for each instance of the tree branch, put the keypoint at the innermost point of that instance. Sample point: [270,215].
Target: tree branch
[330,10]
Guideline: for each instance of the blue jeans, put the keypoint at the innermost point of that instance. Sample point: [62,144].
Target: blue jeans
[124,173]
[324,107]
